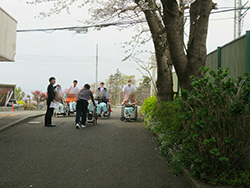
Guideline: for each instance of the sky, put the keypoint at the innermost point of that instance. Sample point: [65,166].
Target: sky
[68,56]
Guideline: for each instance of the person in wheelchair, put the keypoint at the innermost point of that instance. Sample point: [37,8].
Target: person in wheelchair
[62,108]
[91,106]
[102,98]
[129,106]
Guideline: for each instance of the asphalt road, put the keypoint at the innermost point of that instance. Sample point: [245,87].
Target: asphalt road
[111,154]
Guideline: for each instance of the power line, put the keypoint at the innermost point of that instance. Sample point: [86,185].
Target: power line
[59,60]
[131,22]
[84,28]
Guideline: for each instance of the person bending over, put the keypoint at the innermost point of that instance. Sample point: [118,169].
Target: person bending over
[82,106]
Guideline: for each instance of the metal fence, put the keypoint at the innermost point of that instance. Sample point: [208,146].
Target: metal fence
[235,55]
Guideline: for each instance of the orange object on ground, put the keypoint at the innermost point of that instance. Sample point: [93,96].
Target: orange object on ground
[12,106]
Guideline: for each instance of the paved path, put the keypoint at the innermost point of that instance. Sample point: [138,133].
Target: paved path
[112,154]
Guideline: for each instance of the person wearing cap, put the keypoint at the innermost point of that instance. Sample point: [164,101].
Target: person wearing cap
[127,89]
[82,105]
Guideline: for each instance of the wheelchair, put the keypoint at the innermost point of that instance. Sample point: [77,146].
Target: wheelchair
[108,105]
[133,116]
[69,99]
[92,116]
[61,110]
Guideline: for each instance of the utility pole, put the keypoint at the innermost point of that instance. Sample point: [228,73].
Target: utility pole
[96,68]
[238,17]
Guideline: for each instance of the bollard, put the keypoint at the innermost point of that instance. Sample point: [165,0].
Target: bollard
[12,106]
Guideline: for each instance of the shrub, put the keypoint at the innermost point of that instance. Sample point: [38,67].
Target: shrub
[22,102]
[216,134]
[149,105]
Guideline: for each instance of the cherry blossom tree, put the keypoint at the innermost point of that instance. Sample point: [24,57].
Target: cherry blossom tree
[38,96]
[159,20]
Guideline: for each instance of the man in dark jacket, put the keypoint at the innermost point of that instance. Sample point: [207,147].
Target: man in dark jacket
[82,105]
[50,98]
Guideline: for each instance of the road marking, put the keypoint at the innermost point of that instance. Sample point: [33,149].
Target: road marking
[8,115]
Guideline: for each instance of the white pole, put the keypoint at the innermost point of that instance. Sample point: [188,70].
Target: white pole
[8,99]
[96,73]
[235,18]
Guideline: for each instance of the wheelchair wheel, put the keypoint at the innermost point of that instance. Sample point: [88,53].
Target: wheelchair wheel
[122,114]
[95,117]
[55,114]
[108,111]
[135,113]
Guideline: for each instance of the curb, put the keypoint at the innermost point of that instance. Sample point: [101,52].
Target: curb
[199,184]
[20,121]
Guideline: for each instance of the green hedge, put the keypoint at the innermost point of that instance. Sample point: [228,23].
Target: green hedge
[207,131]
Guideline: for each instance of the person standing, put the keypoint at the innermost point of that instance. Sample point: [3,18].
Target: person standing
[127,89]
[72,95]
[103,99]
[82,106]
[73,89]
[103,90]
[50,98]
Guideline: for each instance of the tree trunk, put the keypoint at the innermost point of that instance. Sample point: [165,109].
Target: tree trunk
[187,63]
[164,81]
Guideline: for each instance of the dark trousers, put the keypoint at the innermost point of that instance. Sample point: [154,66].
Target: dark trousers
[48,115]
[81,111]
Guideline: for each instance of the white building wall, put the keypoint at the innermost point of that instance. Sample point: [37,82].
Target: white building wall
[7,36]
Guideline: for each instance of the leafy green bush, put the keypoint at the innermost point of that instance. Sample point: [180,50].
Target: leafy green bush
[216,134]
[149,105]
[208,130]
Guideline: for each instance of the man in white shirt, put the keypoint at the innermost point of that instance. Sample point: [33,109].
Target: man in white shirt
[129,88]
[73,91]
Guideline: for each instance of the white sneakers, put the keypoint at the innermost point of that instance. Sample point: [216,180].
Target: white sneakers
[78,126]
[83,126]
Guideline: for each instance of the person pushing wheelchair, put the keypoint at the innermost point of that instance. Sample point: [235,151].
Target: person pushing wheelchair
[102,97]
